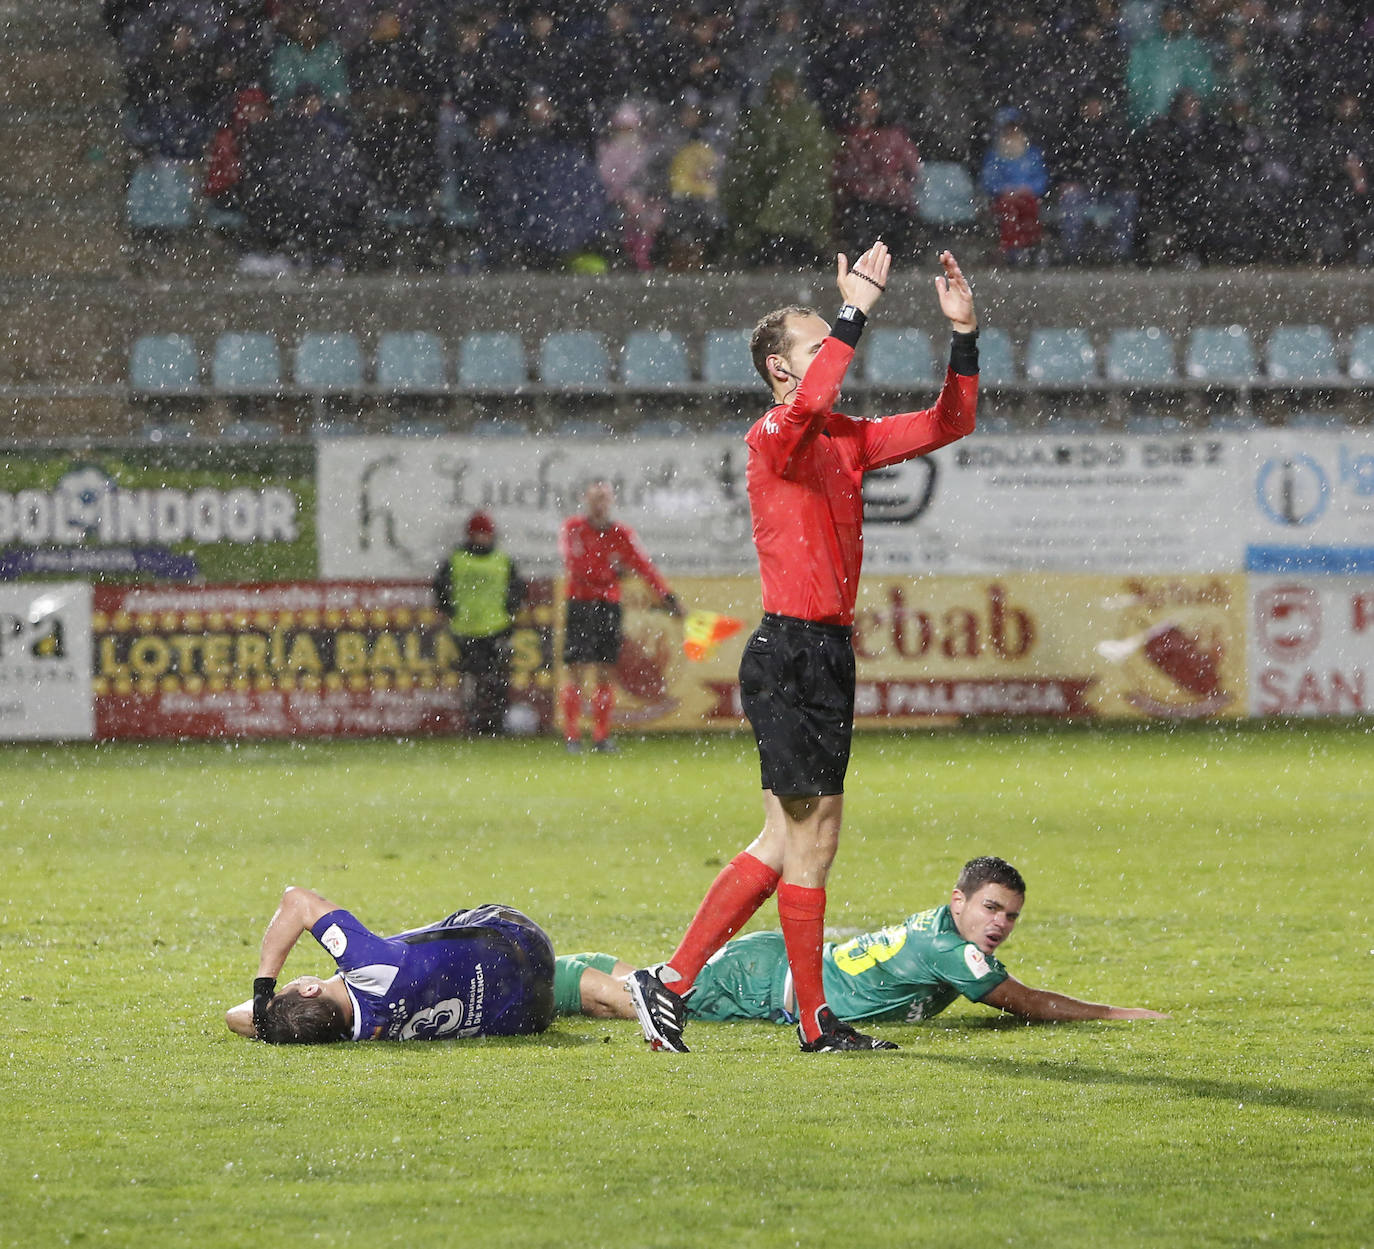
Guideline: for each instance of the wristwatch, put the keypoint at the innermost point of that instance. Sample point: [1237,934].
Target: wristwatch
[851,313]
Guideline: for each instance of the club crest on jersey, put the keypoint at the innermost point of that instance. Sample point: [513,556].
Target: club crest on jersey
[334,940]
[977,964]
[770,426]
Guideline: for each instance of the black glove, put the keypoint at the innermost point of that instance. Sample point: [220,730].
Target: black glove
[263,989]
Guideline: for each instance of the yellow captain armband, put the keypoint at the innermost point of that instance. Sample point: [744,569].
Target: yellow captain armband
[861,953]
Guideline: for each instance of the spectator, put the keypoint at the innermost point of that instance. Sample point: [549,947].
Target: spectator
[308,57]
[776,187]
[621,57]
[1176,164]
[470,70]
[543,60]
[693,157]
[626,161]
[1024,70]
[1015,179]
[394,97]
[177,115]
[543,202]
[842,63]
[1165,63]
[229,157]
[1261,183]
[931,84]
[1095,201]
[1342,206]
[310,184]
[877,173]
[778,43]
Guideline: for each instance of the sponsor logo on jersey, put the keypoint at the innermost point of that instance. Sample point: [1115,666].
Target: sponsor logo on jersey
[977,964]
[334,940]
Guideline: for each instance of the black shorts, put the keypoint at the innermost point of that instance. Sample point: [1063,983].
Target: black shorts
[796,683]
[591,633]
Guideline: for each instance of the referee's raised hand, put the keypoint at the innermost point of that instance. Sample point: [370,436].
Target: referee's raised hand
[862,284]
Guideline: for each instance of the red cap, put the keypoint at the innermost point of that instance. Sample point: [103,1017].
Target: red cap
[481,523]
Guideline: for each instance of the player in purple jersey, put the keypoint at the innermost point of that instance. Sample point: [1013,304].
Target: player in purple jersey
[482,972]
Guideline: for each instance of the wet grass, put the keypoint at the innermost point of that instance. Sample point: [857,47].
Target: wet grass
[1220,874]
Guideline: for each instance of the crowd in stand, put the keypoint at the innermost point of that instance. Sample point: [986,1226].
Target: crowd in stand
[767,132]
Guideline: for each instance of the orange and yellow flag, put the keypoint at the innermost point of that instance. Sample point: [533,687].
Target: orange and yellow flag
[703,631]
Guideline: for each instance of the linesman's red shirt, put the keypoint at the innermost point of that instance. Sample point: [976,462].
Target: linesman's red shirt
[596,558]
[805,478]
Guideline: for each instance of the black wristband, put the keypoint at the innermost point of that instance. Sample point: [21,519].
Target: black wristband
[263,989]
[848,326]
[264,986]
[963,353]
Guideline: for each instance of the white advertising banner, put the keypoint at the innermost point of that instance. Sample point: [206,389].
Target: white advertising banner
[1227,502]
[45,661]
[1091,503]
[1308,497]
[1311,647]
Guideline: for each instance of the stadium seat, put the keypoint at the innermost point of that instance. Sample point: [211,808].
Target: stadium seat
[1140,355]
[574,358]
[725,360]
[583,429]
[996,359]
[1220,353]
[491,360]
[1301,353]
[328,363]
[899,357]
[457,207]
[168,431]
[1153,423]
[331,427]
[410,427]
[164,364]
[499,427]
[1361,365]
[1061,356]
[652,359]
[251,431]
[246,364]
[660,427]
[1315,420]
[411,362]
[946,194]
[161,196]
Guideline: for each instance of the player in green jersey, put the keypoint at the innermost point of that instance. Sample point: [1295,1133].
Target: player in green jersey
[909,971]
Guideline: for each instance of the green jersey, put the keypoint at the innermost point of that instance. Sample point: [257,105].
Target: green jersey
[910,971]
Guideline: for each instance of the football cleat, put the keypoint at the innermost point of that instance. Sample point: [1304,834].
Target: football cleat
[605,746]
[660,1011]
[837,1036]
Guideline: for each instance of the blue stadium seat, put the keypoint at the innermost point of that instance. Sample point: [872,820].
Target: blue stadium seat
[996,359]
[725,360]
[410,427]
[654,358]
[328,363]
[411,362]
[1153,423]
[492,360]
[164,364]
[946,194]
[899,357]
[1220,353]
[584,429]
[332,427]
[1301,353]
[1061,356]
[1140,355]
[168,431]
[499,427]
[661,427]
[251,431]
[161,196]
[1361,365]
[457,206]
[575,358]
[246,364]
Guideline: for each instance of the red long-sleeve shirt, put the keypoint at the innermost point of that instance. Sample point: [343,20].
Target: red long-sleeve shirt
[595,559]
[805,479]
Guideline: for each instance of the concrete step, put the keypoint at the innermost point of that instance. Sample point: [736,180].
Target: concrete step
[84,77]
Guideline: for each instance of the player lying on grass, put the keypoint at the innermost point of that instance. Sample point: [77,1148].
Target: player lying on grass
[482,972]
[910,971]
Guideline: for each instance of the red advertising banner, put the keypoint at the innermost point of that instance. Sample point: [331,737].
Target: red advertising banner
[337,659]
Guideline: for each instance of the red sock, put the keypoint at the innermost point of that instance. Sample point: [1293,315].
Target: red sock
[572,712]
[743,885]
[603,703]
[802,912]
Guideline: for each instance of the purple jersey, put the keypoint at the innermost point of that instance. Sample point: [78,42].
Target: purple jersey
[483,972]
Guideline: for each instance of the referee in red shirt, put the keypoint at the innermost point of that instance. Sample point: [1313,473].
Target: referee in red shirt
[596,550]
[805,477]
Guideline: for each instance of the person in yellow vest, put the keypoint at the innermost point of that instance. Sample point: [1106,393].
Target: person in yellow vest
[479,591]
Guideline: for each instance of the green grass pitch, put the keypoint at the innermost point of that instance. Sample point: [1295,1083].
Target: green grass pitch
[1222,874]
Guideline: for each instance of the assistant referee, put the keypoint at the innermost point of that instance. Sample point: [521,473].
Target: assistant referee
[805,479]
